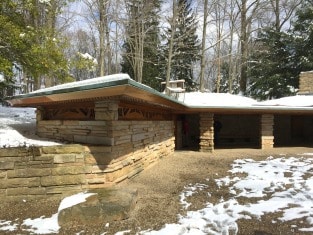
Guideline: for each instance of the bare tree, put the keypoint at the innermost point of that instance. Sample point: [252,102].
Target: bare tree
[232,55]
[171,44]
[203,46]
[248,10]
[283,11]
[136,35]
[98,17]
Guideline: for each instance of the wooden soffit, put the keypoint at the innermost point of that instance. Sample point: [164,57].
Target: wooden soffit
[126,88]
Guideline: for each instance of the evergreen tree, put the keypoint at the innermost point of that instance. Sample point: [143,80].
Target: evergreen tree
[273,71]
[151,67]
[14,46]
[280,57]
[186,46]
[303,36]
[25,42]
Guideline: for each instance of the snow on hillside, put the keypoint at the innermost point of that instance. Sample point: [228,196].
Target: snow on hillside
[18,128]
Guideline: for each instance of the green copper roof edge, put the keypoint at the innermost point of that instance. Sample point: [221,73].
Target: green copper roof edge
[120,82]
[74,89]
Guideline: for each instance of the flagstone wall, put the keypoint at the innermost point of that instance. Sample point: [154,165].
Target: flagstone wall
[267,134]
[65,169]
[101,152]
[306,83]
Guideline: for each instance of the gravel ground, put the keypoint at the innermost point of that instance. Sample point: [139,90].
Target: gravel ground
[159,188]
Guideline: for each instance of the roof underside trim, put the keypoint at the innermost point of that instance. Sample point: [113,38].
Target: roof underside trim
[123,86]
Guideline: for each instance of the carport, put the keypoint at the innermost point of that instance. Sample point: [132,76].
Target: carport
[254,126]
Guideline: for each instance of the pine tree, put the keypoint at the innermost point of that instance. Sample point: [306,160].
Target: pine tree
[273,69]
[186,47]
[23,41]
[303,36]
[151,67]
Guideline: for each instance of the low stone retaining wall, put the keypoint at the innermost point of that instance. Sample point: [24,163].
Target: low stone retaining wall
[65,169]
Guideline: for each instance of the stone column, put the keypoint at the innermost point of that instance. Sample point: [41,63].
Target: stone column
[106,110]
[266,132]
[206,132]
[39,114]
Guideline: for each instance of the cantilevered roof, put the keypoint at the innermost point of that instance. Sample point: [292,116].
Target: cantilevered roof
[117,85]
[228,103]
[122,86]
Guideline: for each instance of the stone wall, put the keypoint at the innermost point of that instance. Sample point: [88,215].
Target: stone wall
[65,169]
[306,83]
[112,149]
[206,132]
[266,130]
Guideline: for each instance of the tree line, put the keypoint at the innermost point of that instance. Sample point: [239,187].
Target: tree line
[253,47]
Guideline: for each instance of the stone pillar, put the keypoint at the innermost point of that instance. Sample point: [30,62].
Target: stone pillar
[106,110]
[206,132]
[39,114]
[266,132]
[306,83]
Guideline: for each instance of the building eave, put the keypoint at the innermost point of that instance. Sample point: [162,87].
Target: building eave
[124,87]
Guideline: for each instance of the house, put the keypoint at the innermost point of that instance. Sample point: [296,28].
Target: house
[95,111]
[136,125]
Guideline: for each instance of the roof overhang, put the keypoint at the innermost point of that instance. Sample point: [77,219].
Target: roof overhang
[253,109]
[123,87]
[120,85]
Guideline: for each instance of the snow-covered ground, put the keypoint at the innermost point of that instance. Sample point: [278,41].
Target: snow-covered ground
[283,185]
[18,128]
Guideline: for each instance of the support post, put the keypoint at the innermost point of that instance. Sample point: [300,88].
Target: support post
[206,132]
[106,110]
[266,132]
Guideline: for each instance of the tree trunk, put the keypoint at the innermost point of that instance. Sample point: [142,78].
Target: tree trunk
[243,48]
[170,51]
[102,26]
[205,16]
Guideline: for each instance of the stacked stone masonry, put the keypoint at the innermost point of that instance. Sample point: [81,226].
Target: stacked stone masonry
[306,83]
[112,150]
[65,169]
[206,132]
[267,135]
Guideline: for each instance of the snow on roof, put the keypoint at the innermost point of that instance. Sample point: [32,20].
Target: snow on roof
[191,99]
[92,81]
[200,99]
[291,101]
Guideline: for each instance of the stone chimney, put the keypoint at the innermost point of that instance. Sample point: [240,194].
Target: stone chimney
[306,83]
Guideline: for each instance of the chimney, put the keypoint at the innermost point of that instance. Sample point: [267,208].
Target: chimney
[306,83]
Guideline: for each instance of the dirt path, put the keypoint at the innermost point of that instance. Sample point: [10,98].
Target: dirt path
[159,188]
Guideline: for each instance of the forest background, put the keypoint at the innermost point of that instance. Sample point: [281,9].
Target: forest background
[255,48]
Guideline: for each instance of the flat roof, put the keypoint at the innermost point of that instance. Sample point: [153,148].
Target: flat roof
[121,85]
